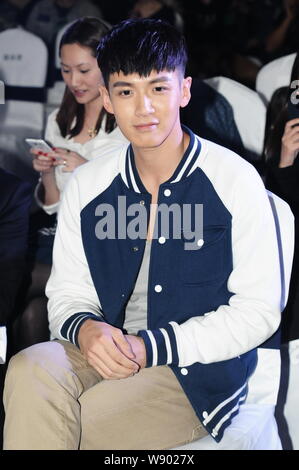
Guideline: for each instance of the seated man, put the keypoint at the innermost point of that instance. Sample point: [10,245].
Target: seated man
[165,277]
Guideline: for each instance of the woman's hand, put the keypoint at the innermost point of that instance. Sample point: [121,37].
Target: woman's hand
[289,143]
[43,162]
[70,160]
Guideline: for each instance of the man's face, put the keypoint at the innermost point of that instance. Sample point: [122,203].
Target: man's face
[147,108]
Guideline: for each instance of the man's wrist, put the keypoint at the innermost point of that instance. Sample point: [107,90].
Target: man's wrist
[84,325]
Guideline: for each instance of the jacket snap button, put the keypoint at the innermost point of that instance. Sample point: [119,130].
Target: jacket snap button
[200,242]
[167,192]
[158,288]
[142,203]
[184,371]
[162,240]
[135,248]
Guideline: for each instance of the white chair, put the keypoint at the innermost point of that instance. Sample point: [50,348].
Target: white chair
[255,427]
[23,69]
[273,75]
[249,112]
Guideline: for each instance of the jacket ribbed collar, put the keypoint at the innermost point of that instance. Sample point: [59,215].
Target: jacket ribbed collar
[186,166]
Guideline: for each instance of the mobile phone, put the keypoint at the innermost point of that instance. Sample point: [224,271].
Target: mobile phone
[293,111]
[39,144]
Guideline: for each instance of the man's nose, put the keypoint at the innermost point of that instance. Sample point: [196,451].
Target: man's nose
[144,105]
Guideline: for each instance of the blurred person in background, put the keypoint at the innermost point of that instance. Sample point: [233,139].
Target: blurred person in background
[115,10]
[228,37]
[283,38]
[49,16]
[15,202]
[166,10]
[14,12]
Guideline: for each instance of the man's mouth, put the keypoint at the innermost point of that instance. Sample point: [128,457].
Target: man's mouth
[146,126]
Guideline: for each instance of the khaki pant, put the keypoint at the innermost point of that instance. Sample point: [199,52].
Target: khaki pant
[54,400]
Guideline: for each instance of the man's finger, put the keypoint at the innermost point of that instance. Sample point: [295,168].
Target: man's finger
[108,368]
[124,346]
[112,354]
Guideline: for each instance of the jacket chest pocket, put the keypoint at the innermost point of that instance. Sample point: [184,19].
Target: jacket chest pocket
[206,264]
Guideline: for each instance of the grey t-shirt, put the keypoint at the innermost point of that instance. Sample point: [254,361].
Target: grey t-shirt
[136,311]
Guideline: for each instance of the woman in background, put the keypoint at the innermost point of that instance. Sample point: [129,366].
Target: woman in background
[282,176]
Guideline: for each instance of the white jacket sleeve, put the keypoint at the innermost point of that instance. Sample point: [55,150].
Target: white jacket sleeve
[51,134]
[72,296]
[49,209]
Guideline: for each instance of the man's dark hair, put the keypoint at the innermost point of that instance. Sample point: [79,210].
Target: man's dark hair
[141,46]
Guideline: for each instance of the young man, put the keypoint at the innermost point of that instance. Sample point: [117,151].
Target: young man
[165,275]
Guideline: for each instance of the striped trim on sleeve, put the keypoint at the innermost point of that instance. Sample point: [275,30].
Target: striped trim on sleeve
[72,325]
[160,345]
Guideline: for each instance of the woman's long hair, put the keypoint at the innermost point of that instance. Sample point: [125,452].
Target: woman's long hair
[277,117]
[86,32]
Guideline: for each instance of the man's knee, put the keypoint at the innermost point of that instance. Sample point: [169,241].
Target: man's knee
[53,362]
[48,358]
[26,361]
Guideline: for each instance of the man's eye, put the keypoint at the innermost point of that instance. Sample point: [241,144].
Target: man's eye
[159,89]
[65,71]
[84,71]
[125,92]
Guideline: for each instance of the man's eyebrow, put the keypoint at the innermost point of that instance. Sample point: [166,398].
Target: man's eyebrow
[151,82]
[161,79]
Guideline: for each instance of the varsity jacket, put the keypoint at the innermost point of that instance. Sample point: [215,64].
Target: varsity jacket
[211,300]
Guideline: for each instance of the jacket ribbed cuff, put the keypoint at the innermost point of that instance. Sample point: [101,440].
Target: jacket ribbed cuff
[160,345]
[70,328]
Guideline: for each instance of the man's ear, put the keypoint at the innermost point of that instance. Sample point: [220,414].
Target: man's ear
[186,93]
[106,99]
